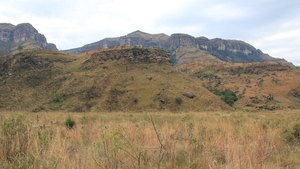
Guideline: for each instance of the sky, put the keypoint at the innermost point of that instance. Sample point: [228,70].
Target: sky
[272,26]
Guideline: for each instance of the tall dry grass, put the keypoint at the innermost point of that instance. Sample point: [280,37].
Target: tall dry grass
[154,140]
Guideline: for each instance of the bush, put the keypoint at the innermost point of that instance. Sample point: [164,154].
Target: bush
[70,123]
[228,96]
[178,100]
[296,132]
[287,135]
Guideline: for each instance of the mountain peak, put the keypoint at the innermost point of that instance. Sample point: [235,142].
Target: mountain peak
[24,35]
[25,28]
[25,24]
[138,33]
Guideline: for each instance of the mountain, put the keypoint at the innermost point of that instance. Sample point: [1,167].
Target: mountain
[187,49]
[25,35]
[127,79]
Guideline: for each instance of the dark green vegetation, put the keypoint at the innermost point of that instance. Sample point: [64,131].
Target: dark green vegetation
[228,96]
[70,123]
[116,79]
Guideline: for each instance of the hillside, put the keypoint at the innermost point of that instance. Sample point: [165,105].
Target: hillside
[24,35]
[115,79]
[259,86]
[187,49]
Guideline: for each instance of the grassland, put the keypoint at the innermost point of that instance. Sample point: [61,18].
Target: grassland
[150,140]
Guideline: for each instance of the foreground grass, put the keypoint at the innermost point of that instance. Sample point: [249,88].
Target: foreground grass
[153,140]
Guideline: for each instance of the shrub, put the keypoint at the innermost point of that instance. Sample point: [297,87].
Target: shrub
[296,132]
[228,96]
[287,135]
[70,123]
[178,100]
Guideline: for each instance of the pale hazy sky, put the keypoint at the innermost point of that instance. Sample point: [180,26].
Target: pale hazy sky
[270,25]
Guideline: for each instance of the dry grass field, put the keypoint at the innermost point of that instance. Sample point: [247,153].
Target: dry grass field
[233,140]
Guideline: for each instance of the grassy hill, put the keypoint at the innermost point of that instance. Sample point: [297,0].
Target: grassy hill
[259,86]
[116,79]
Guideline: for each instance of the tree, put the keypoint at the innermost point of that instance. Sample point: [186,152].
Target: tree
[20,48]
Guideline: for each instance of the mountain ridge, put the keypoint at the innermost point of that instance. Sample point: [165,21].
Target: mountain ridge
[217,49]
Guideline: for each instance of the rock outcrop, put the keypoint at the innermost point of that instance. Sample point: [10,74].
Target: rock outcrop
[186,49]
[133,55]
[24,35]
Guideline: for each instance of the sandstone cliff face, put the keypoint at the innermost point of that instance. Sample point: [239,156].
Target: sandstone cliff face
[181,40]
[232,45]
[5,32]
[23,34]
[196,49]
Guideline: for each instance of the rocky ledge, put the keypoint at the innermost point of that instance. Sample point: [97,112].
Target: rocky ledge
[135,54]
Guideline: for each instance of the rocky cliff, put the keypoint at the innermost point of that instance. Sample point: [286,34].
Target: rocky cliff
[186,49]
[24,35]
